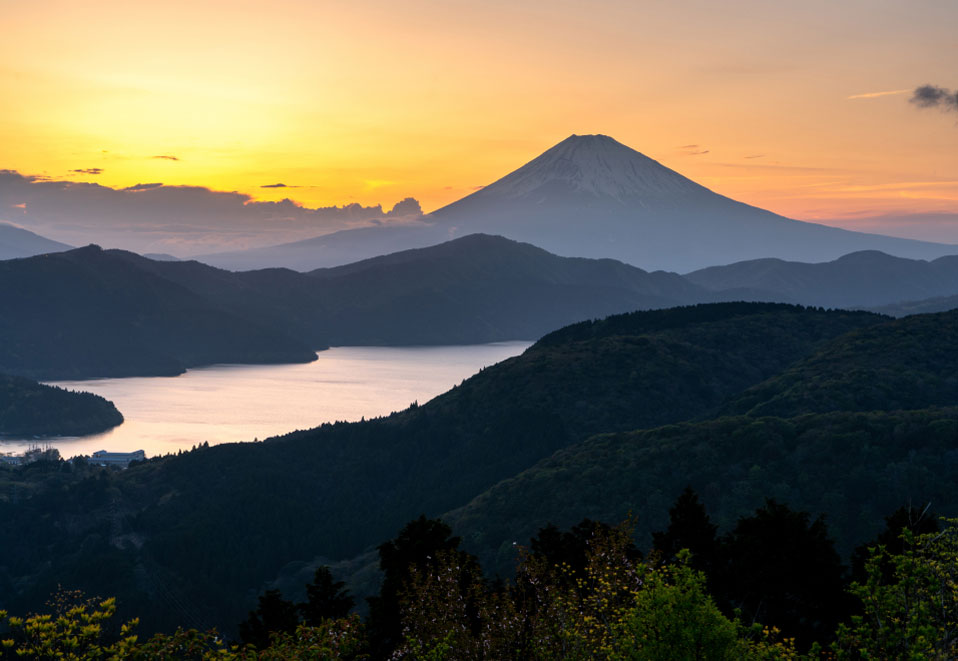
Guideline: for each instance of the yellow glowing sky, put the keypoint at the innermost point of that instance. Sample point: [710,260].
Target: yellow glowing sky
[374,101]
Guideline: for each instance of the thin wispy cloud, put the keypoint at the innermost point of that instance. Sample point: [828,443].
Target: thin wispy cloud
[693,150]
[932,96]
[278,185]
[751,156]
[93,171]
[166,157]
[876,95]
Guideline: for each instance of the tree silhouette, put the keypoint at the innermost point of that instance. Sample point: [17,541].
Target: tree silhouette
[906,517]
[417,545]
[274,614]
[689,528]
[325,599]
[782,570]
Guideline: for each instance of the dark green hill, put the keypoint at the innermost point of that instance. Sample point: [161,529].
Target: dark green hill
[213,524]
[854,467]
[87,313]
[28,408]
[908,363]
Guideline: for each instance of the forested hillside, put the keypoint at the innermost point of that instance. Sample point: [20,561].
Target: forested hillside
[852,467]
[335,490]
[85,313]
[28,408]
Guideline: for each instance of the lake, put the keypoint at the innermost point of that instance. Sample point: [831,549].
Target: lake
[227,403]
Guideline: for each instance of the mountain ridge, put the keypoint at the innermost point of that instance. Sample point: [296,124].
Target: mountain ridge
[591,196]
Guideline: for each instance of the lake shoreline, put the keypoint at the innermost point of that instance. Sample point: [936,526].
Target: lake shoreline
[229,403]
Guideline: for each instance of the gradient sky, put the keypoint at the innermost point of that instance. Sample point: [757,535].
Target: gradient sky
[798,107]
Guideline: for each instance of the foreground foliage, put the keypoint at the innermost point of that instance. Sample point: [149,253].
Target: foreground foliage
[603,601]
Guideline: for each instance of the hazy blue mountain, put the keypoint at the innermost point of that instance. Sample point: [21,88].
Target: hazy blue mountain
[861,279]
[482,288]
[335,249]
[924,306]
[590,196]
[594,197]
[17,242]
[90,312]
[474,289]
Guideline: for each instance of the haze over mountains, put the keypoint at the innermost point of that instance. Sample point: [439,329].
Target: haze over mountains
[590,196]
[17,242]
[861,279]
[94,313]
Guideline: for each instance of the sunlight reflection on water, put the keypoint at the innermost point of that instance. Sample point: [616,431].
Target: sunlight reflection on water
[226,403]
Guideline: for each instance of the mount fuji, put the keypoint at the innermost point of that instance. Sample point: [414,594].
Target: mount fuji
[591,196]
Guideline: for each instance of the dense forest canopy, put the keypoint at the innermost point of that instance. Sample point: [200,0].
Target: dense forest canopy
[595,420]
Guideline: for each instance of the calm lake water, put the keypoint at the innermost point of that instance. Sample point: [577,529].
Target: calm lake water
[226,403]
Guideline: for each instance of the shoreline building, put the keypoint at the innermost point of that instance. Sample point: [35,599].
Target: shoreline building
[117,459]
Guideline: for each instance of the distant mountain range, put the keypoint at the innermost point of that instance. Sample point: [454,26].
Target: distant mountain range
[90,312]
[17,242]
[590,196]
[864,279]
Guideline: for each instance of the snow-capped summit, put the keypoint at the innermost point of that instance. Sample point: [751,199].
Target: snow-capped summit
[594,164]
[590,196]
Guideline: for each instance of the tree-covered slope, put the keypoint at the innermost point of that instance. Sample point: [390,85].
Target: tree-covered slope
[28,408]
[337,489]
[88,313]
[854,467]
[908,363]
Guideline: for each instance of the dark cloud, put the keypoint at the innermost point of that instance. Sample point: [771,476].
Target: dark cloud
[182,220]
[88,171]
[406,208]
[166,157]
[756,156]
[689,147]
[274,186]
[931,96]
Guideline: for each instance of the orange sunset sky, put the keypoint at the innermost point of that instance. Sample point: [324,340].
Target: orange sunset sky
[801,108]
